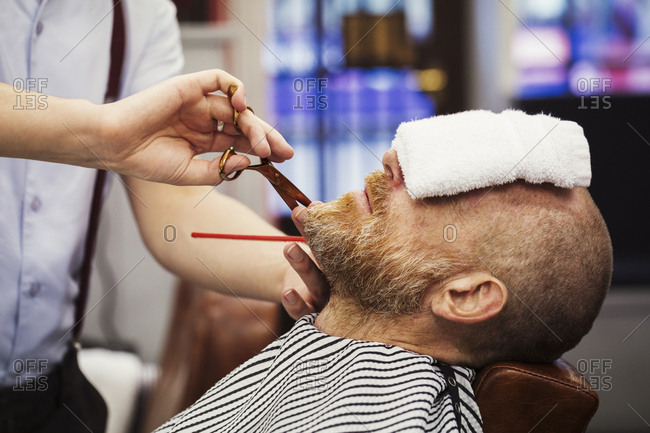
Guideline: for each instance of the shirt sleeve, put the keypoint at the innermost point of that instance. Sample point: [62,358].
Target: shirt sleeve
[153,51]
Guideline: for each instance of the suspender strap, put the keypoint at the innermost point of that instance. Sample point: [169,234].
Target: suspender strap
[112,93]
[452,387]
[117,53]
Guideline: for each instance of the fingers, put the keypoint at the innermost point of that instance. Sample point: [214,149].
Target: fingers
[234,163]
[264,140]
[295,305]
[216,79]
[202,172]
[299,215]
[221,109]
[317,286]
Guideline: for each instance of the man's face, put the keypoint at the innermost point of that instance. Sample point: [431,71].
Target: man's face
[377,246]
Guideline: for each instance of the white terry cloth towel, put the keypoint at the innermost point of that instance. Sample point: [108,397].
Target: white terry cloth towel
[449,154]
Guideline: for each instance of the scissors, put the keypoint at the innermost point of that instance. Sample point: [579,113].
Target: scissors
[291,195]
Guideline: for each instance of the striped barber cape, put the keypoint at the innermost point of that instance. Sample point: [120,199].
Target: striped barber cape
[308,381]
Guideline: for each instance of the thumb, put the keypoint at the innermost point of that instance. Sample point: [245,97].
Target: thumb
[202,172]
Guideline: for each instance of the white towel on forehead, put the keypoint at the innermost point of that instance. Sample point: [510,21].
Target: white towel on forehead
[447,155]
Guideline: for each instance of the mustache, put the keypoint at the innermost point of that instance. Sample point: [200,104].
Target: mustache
[377,188]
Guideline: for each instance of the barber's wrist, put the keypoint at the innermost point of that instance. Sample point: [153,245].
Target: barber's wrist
[72,127]
[105,135]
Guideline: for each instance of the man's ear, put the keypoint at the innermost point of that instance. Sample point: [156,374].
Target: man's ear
[471,298]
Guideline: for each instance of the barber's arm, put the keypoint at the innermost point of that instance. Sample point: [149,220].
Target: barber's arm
[166,216]
[153,134]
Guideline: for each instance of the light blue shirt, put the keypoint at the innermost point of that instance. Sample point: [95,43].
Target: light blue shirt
[60,48]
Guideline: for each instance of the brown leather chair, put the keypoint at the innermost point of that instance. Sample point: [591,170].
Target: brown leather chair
[517,397]
[211,334]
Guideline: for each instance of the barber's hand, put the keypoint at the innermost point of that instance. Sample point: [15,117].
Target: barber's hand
[155,134]
[312,293]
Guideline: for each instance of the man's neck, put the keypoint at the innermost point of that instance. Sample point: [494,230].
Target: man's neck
[415,332]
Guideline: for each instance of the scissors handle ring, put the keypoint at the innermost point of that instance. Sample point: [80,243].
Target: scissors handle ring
[235,114]
[222,165]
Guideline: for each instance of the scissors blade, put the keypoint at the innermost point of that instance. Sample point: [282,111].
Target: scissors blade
[287,190]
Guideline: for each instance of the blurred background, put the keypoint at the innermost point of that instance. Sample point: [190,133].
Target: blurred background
[337,77]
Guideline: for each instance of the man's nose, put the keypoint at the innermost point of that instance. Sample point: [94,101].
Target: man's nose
[392,168]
